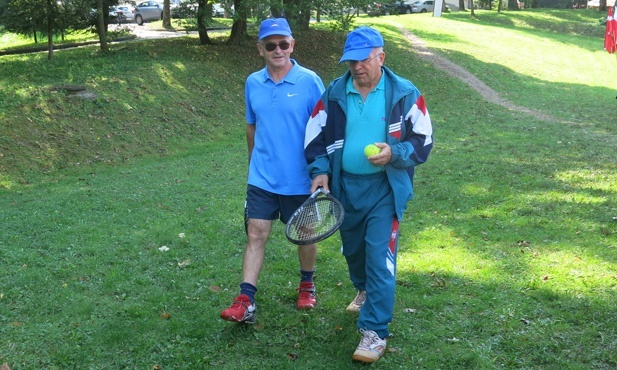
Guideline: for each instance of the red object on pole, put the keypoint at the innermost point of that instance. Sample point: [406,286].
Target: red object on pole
[610,37]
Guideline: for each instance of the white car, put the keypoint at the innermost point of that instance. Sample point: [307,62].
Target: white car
[426,6]
[422,6]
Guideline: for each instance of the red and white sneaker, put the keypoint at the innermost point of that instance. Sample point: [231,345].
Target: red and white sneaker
[241,311]
[306,296]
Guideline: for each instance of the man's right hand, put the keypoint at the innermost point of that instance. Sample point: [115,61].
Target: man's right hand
[320,181]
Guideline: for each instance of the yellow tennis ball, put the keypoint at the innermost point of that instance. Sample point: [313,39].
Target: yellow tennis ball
[371,150]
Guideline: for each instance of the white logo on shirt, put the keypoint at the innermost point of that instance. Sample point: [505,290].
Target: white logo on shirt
[290,95]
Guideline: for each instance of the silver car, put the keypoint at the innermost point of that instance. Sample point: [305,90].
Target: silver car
[148,11]
[422,6]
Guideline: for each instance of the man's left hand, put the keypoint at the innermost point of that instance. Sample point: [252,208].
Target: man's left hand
[383,157]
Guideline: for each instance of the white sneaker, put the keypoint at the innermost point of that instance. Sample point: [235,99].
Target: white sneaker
[371,347]
[356,305]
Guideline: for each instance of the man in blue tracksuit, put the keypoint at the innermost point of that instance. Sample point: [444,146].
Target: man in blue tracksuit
[369,104]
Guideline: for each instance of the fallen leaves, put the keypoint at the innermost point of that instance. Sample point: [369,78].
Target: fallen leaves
[439,282]
[165,316]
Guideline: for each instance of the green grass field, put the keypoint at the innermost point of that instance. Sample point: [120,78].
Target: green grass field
[508,253]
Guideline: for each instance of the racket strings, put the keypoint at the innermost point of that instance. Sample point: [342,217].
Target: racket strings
[315,219]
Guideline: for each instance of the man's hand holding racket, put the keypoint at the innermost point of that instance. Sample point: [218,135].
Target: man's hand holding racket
[320,181]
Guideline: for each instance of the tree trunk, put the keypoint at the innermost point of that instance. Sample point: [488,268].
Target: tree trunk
[461,5]
[50,29]
[202,16]
[238,29]
[50,43]
[166,14]
[304,19]
[238,32]
[101,26]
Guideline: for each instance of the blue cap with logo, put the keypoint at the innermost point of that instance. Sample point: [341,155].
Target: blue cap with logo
[274,26]
[360,42]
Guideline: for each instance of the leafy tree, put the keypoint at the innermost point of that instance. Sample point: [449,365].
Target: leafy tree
[196,16]
[30,17]
[343,12]
[54,18]
[298,13]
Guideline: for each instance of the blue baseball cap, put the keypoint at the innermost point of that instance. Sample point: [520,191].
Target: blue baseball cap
[360,42]
[274,26]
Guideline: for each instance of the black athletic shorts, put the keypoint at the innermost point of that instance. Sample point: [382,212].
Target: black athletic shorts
[264,205]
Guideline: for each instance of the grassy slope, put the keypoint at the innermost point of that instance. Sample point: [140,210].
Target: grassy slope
[149,93]
[506,259]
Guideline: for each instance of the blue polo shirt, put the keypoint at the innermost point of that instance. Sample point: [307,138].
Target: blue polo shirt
[280,111]
[366,124]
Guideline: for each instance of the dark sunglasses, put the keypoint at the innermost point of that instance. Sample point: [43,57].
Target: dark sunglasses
[271,46]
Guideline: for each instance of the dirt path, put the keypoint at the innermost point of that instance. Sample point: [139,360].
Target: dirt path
[457,71]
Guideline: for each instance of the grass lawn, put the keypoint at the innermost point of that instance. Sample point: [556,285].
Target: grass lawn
[122,234]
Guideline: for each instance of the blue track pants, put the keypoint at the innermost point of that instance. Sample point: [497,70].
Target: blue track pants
[370,243]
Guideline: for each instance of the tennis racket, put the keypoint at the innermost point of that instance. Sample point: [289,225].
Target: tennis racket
[317,218]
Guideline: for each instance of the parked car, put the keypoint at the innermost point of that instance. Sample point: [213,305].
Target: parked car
[400,7]
[218,11]
[424,6]
[148,11]
[122,13]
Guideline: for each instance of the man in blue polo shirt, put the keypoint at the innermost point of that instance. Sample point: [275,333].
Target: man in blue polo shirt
[279,101]
[369,105]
